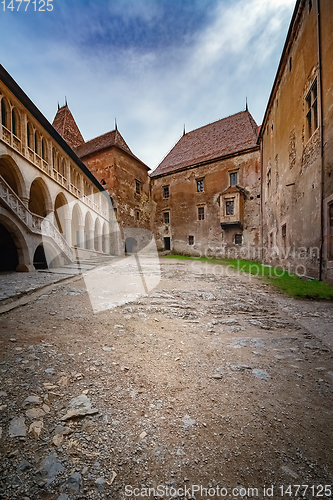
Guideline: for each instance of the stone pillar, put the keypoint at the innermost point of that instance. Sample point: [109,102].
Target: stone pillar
[68,231]
[81,236]
[91,240]
[99,243]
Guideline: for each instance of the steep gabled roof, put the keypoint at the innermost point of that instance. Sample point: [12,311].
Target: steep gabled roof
[105,141]
[65,124]
[224,137]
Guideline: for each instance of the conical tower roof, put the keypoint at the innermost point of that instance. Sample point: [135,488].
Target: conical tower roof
[66,126]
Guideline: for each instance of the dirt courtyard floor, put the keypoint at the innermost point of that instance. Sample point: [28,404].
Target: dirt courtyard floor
[209,387]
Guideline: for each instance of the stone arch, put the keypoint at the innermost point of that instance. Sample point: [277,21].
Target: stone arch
[5,113]
[10,171]
[130,245]
[40,202]
[77,226]
[30,136]
[17,237]
[16,122]
[46,257]
[61,212]
[88,231]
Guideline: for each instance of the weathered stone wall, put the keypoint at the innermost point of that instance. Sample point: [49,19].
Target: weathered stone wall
[291,177]
[118,172]
[327,97]
[184,200]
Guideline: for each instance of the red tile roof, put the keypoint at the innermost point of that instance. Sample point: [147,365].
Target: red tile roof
[66,126]
[224,137]
[105,141]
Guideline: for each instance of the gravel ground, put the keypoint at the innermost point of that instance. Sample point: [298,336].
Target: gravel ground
[212,381]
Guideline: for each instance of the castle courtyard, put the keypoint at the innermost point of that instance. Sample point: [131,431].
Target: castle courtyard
[212,385]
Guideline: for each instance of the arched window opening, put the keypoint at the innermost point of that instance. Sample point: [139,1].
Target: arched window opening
[36,142]
[44,156]
[14,122]
[29,135]
[3,113]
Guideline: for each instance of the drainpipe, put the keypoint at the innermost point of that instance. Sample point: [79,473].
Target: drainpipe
[261,197]
[321,125]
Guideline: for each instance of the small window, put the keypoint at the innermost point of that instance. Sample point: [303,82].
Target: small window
[103,182]
[200,186]
[238,239]
[166,192]
[191,240]
[233,179]
[137,187]
[310,5]
[290,63]
[229,207]
[201,213]
[166,216]
[312,109]
[137,215]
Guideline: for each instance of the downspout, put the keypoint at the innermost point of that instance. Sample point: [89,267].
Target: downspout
[321,256]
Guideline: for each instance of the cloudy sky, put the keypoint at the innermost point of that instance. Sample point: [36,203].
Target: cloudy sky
[155,65]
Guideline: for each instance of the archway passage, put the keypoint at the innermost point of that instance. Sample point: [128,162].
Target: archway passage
[37,201]
[8,174]
[8,251]
[40,261]
[130,245]
[59,212]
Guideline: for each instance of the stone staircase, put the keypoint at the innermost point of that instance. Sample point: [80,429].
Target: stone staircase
[34,223]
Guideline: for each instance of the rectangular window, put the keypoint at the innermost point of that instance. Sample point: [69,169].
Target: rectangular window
[312,109]
[166,216]
[238,239]
[200,186]
[137,215]
[201,213]
[137,187]
[229,207]
[233,179]
[191,240]
[165,192]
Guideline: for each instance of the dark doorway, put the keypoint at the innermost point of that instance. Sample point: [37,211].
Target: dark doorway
[167,243]
[8,251]
[40,261]
[130,245]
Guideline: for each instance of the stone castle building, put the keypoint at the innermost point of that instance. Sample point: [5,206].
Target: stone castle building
[230,188]
[296,142]
[52,209]
[205,192]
